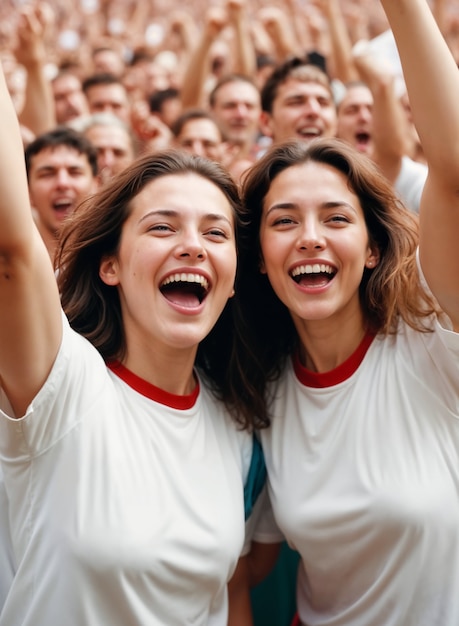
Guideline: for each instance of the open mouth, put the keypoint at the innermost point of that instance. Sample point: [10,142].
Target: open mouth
[309,132]
[362,139]
[186,289]
[62,206]
[315,275]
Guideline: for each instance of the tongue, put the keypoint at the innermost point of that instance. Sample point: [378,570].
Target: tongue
[184,296]
[313,280]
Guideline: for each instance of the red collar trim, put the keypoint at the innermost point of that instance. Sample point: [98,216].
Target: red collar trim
[150,391]
[337,375]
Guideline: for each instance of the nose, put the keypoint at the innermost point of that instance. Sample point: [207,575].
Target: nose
[106,158]
[197,148]
[241,109]
[311,237]
[365,114]
[191,246]
[312,107]
[62,178]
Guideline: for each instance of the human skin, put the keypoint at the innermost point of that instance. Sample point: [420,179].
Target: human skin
[69,99]
[181,226]
[301,110]
[114,149]
[201,137]
[59,179]
[355,119]
[108,99]
[237,112]
[313,226]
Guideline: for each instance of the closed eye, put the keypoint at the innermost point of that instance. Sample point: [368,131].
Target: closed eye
[217,233]
[339,219]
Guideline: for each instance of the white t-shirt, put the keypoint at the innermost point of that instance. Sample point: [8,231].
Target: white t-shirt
[410,182]
[363,467]
[6,552]
[125,511]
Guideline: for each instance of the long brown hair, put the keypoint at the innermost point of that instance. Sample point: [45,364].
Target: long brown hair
[94,231]
[389,292]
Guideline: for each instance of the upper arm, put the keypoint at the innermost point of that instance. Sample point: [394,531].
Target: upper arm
[30,322]
[438,246]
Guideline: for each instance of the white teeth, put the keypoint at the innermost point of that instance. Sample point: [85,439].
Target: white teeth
[309,131]
[312,269]
[187,278]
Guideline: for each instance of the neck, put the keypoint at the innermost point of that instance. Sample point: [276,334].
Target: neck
[50,239]
[322,350]
[171,372]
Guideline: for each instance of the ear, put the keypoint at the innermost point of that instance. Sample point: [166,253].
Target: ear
[372,258]
[265,124]
[108,271]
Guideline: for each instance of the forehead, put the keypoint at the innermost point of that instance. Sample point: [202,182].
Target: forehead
[186,194]
[66,83]
[356,95]
[307,89]
[113,92]
[59,156]
[310,183]
[200,128]
[237,91]
[109,136]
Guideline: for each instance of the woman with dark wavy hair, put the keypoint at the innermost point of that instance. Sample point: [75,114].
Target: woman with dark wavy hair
[352,310]
[123,450]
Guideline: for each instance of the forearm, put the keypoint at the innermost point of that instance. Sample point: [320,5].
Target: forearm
[245,63]
[195,74]
[15,214]
[38,111]
[341,45]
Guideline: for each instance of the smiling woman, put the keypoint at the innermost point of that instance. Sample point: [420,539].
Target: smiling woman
[123,447]
[351,308]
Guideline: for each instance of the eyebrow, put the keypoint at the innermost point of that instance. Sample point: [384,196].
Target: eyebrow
[325,205]
[53,168]
[174,213]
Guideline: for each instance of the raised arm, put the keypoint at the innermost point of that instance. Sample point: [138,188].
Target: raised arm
[340,41]
[38,113]
[30,323]
[389,120]
[245,62]
[198,68]
[432,80]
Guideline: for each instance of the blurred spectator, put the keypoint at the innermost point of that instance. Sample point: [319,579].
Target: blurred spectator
[235,105]
[166,104]
[106,93]
[62,172]
[114,142]
[69,99]
[195,131]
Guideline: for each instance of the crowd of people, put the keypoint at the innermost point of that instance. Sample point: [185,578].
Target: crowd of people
[229,313]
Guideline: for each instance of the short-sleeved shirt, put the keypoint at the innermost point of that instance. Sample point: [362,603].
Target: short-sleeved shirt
[127,508]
